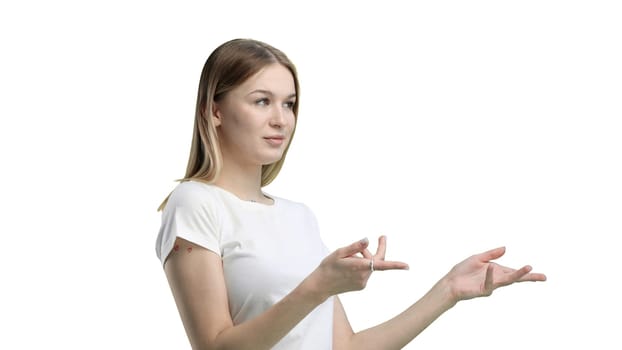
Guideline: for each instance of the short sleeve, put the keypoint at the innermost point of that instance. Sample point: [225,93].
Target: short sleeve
[316,227]
[191,213]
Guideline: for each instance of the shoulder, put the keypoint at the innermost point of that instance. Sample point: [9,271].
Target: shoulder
[296,207]
[193,194]
[292,204]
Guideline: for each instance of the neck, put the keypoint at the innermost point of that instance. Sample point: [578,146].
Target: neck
[244,182]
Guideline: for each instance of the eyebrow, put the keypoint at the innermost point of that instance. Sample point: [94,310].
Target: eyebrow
[269,93]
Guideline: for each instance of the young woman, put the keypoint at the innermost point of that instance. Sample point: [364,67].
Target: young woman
[248,270]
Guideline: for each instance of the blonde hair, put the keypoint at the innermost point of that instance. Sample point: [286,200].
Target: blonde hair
[229,65]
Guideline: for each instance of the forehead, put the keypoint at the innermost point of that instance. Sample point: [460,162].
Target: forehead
[275,78]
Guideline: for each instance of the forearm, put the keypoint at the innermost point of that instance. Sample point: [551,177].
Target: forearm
[264,331]
[400,330]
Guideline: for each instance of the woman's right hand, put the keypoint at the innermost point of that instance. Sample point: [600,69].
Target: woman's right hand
[344,270]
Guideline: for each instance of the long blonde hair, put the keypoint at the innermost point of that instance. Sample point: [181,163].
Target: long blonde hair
[230,65]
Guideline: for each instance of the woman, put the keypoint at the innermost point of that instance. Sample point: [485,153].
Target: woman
[248,270]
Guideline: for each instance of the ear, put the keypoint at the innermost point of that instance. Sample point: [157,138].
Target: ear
[215,114]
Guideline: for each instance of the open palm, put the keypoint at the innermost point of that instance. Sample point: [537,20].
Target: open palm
[478,276]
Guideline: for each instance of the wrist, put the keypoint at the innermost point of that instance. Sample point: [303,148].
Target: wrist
[445,292]
[311,289]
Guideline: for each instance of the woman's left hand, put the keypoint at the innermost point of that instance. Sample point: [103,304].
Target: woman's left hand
[478,276]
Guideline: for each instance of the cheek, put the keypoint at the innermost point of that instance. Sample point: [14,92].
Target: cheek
[236,123]
[291,118]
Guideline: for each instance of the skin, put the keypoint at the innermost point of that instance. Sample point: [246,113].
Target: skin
[259,108]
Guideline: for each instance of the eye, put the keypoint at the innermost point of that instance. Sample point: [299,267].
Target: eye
[262,102]
[289,104]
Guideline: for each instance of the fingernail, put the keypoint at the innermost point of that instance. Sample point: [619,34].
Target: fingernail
[364,241]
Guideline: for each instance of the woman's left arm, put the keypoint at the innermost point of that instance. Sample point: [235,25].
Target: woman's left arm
[476,276]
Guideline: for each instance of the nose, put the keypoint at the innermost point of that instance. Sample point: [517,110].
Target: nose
[278,118]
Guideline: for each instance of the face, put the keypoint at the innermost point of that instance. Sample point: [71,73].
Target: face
[255,120]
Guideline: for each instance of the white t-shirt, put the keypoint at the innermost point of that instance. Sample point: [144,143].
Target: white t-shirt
[266,250]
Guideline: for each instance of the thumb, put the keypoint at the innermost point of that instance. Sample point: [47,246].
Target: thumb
[356,247]
[492,254]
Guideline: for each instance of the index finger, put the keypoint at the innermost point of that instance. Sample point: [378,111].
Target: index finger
[356,247]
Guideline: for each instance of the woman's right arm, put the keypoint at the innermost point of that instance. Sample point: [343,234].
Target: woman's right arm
[196,278]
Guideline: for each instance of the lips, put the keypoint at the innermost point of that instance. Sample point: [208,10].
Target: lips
[275,140]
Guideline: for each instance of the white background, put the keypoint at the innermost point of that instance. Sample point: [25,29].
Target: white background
[450,126]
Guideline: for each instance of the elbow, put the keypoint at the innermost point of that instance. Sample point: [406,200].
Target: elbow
[218,341]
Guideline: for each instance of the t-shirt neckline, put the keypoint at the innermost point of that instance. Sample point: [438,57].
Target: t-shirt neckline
[249,202]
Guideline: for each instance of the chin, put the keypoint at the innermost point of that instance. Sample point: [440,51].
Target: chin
[269,159]
[268,162]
